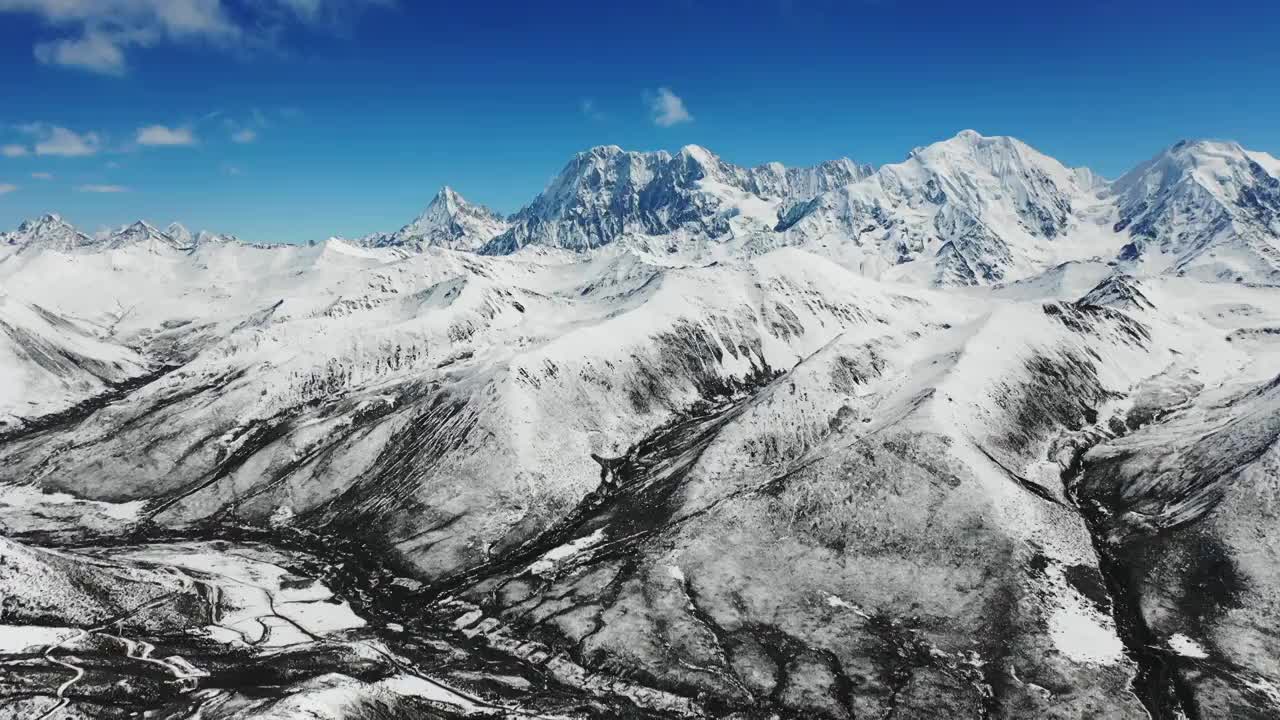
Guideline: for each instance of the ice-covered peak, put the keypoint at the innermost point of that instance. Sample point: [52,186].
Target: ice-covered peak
[972,208]
[448,221]
[48,231]
[962,141]
[698,154]
[1204,207]
[447,199]
[607,193]
[1210,163]
[988,177]
[179,233]
[995,152]
[48,220]
[143,234]
[204,237]
[602,151]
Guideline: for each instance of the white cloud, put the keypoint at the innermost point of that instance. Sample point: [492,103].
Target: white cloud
[59,141]
[14,150]
[246,135]
[103,188]
[42,175]
[96,35]
[6,188]
[162,136]
[92,51]
[668,109]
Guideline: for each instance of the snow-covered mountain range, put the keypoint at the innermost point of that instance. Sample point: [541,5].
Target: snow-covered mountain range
[970,210]
[971,435]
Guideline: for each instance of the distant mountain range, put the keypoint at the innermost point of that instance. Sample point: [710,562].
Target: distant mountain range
[966,211]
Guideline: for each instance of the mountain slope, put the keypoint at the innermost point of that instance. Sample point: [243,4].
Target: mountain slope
[52,363]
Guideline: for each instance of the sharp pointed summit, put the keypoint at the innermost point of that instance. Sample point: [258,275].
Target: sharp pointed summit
[448,221]
[143,234]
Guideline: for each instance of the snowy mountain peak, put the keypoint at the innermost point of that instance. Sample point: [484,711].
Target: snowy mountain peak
[962,139]
[449,198]
[180,234]
[1206,207]
[656,199]
[448,221]
[699,154]
[144,234]
[49,231]
[601,151]
[976,209]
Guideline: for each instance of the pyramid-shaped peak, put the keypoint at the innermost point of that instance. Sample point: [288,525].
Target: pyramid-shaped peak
[448,197]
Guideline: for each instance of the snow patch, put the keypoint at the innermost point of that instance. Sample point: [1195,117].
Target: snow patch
[553,557]
[1187,647]
[30,496]
[1085,636]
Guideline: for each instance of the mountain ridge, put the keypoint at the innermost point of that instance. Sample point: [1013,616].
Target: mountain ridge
[968,210]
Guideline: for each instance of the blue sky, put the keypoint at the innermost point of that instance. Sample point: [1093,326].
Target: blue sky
[287,120]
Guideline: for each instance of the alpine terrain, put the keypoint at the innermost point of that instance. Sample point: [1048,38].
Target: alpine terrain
[972,435]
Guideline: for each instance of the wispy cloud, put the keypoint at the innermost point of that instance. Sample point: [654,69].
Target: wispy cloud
[6,188]
[668,108]
[103,188]
[93,51]
[96,35]
[42,175]
[59,141]
[589,109]
[163,136]
[14,150]
[244,135]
